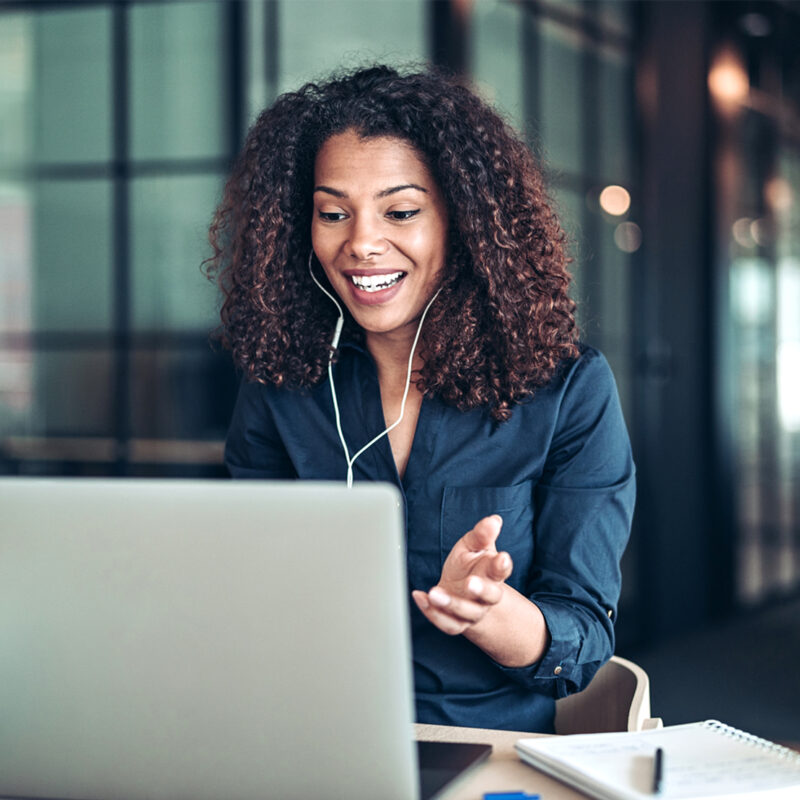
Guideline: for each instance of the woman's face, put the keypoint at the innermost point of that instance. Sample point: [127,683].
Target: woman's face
[379,229]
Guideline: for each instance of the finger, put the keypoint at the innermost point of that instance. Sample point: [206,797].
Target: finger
[499,567]
[486,592]
[438,617]
[462,608]
[421,599]
[445,622]
[484,534]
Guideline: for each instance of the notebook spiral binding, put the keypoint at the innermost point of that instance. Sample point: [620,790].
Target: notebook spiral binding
[756,741]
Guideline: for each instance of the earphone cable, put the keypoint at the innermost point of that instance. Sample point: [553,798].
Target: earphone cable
[402,403]
[334,345]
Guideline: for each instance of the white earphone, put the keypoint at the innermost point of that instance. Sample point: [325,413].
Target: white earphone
[334,344]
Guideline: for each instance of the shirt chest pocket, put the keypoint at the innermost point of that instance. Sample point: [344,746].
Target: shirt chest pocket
[463,506]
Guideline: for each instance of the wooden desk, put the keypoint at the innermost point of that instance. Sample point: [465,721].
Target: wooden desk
[503,772]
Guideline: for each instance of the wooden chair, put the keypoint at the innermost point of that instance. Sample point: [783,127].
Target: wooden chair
[617,699]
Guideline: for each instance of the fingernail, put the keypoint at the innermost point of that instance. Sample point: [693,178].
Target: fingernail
[475,584]
[439,597]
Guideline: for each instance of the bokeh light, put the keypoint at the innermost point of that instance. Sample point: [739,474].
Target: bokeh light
[615,200]
[742,232]
[728,81]
[628,237]
[778,193]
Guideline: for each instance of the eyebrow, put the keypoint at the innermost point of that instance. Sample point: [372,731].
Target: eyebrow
[379,195]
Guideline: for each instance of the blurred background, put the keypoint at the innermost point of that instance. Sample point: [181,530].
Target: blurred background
[670,133]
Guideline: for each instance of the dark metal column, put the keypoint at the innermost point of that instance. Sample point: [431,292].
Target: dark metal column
[122,380]
[449,34]
[683,570]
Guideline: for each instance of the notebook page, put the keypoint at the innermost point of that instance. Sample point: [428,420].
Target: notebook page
[702,760]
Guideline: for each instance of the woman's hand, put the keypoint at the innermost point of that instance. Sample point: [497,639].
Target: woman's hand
[473,598]
[472,580]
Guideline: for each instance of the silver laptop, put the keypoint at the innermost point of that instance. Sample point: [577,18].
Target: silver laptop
[188,639]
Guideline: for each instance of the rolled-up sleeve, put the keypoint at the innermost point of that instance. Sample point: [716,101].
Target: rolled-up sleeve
[583,512]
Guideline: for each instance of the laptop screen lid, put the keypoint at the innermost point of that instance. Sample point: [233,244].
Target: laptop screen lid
[199,639]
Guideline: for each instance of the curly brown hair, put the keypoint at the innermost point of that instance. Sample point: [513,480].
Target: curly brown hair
[503,321]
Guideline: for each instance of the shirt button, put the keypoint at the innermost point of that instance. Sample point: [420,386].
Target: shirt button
[610,613]
[557,670]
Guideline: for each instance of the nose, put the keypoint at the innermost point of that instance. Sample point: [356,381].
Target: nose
[366,238]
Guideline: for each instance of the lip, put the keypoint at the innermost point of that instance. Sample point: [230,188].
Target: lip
[373,298]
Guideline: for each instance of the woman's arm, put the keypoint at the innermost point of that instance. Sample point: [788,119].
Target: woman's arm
[560,631]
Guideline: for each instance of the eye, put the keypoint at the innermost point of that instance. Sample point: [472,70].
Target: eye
[403,215]
[331,216]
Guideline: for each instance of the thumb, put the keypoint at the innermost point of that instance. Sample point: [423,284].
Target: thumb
[484,534]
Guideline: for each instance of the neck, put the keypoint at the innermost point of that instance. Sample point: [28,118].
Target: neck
[391,354]
[391,351]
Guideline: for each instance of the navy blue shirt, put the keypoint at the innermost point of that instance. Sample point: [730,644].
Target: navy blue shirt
[559,473]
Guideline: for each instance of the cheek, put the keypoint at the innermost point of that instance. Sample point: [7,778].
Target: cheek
[329,274]
[316,239]
[321,243]
[431,249]
[426,244]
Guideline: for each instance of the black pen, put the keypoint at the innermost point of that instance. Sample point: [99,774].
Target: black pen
[658,770]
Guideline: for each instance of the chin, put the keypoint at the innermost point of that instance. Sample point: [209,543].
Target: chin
[383,326]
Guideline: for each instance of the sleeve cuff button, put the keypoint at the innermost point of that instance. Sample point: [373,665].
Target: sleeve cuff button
[557,670]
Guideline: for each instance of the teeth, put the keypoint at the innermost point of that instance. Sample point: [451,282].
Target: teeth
[374,283]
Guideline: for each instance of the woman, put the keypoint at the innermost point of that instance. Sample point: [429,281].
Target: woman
[400,211]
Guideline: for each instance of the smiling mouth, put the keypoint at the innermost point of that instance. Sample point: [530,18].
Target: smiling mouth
[376,283]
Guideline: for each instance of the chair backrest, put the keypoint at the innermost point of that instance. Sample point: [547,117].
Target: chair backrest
[617,699]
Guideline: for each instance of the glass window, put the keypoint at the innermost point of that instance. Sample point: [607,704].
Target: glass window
[561,120]
[569,207]
[72,274]
[182,394]
[56,411]
[16,280]
[72,393]
[615,124]
[16,391]
[317,36]
[764,284]
[788,344]
[16,71]
[178,71]
[72,79]
[615,15]
[259,78]
[170,217]
[575,7]
[613,300]
[497,63]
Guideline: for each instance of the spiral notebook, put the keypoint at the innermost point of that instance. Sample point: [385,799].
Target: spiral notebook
[702,761]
